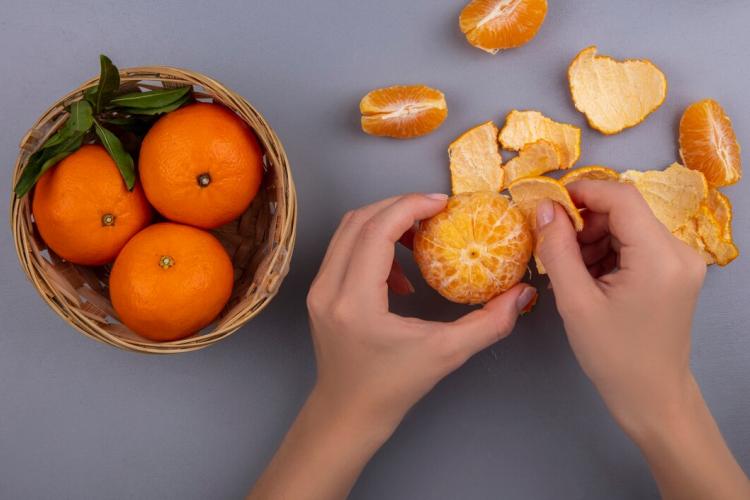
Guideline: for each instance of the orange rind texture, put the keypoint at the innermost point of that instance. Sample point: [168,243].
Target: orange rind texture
[475,249]
[533,160]
[403,111]
[708,143]
[674,194]
[526,127]
[475,161]
[721,208]
[592,173]
[494,25]
[615,95]
[528,192]
[704,233]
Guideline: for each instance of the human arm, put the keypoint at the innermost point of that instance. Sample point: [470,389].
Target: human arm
[373,366]
[626,290]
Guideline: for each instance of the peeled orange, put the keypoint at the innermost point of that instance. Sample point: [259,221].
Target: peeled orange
[475,249]
[403,111]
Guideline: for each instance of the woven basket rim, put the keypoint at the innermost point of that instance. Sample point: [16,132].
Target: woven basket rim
[274,264]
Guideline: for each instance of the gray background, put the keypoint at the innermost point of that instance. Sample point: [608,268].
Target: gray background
[83,420]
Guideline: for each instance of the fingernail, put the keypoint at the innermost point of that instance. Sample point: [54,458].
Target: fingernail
[526,300]
[545,213]
[437,196]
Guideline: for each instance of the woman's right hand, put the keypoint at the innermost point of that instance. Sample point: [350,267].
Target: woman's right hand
[626,290]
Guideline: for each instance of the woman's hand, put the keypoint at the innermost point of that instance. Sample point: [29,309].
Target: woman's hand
[626,290]
[372,364]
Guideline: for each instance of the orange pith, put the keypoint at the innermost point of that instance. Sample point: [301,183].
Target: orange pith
[201,165]
[170,281]
[533,160]
[84,211]
[475,249]
[475,161]
[526,127]
[592,172]
[494,25]
[708,143]
[403,111]
[529,191]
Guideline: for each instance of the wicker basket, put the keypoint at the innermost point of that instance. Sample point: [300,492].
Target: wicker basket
[260,242]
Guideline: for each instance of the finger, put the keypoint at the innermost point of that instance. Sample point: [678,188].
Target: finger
[397,280]
[482,328]
[339,250]
[594,252]
[374,249]
[557,248]
[595,226]
[630,218]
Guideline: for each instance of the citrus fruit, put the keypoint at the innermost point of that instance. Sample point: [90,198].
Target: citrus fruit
[592,173]
[529,191]
[475,160]
[84,211]
[526,127]
[533,160]
[170,281]
[403,111]
[201,165]
[475,249]
[494,25]
[674,194]
[615,95]
[708,143]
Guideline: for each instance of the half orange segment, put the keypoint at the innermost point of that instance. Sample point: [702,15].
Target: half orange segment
[403,111]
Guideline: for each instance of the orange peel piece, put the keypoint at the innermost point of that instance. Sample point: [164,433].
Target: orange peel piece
[475,161]
[708,143]
[529,191]
[526,127]
[704,233]
[721,208]
[615,95]
[674,194]
[592,173]
[476,248]
[533,160]
[403,111]
[494,25]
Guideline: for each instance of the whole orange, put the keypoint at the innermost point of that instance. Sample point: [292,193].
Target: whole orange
[201,165]
[84,211]
[170,281]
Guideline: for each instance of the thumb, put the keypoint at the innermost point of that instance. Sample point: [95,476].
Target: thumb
[482,328]
[557,247]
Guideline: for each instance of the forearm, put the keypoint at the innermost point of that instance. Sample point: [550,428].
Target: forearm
[321,456]
[687,453]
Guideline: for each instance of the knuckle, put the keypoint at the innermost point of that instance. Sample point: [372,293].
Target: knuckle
[357,217]
[370,229]
[347,217]
[314,299]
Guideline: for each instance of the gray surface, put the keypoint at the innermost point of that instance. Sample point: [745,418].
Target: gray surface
[83,420]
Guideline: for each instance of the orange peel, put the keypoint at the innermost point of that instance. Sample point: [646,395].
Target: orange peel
[494,25]
[708,143]
[721,208]
[533,160]
[615,95]
[476,248]
[592,172]
[526,127]
[528,192]
[475,161]
[704,233]
[403,111]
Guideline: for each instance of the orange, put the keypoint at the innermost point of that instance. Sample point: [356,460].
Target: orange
[170,281]
[475,249]
[475,161]
[494,25]
[84,211]
[201,165]
[613,94]
[403,111]
[708,143]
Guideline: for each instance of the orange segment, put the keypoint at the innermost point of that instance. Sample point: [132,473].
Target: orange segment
[528,192]
[494,25]
[708,143]
[475,160]
[475,249]
[403,111]
[613,94]
[674,194]
[526,127]
[533,160]
[593,173]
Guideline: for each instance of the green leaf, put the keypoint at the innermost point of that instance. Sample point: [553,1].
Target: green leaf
[109,84]
[151,99]
[80,120]
[121,157]
[155,111]
[44,159]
